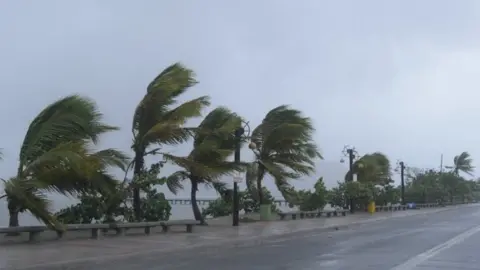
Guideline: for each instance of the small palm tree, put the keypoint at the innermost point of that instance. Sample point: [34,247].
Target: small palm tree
[158,119]
[374,168]
[207,163]
[462,163]
[284,148]
[55,156]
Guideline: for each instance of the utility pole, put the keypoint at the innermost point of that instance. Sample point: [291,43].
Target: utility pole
[402,177]
[441,163]
[351,157]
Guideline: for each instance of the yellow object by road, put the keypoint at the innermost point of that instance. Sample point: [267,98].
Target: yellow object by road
[371,207]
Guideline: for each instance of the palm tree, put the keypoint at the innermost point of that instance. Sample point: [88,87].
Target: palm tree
[55,156]
[213,143]
[462,163]
[284,148]
[374,168]
[157,121]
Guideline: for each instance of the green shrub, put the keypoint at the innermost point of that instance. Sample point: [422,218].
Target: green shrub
[105,208]
[223,206]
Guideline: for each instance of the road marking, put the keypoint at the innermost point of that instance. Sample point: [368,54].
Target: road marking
[425,256]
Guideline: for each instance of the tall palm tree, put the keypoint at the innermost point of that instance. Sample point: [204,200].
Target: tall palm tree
[159,119]
[55,156]
[462,163]
[284,148]
[206,163]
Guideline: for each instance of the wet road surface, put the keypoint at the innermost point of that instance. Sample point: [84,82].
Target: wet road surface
[444,240]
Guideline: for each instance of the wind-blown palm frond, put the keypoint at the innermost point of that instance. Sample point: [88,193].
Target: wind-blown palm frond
[174,181]
[154,120]
[213,143]
[66,156]
[92,175]
[110,158]
[220,187]
[463,163]
[25,194]
[70,119]
[285,148]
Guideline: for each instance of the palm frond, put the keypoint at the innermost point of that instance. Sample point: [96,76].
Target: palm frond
[111,158]
[219,125]
[72,118]
[190,109]
[25,193]
[463,163]
[68,156]
[67,182]
[175,77]
[166,133]
[187,164]
[174,181]
[154,118]
[220,187]
[169,129]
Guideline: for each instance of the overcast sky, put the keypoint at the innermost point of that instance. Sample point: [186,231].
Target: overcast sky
[399,77]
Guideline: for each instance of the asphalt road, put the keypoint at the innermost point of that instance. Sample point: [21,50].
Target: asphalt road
[444,240]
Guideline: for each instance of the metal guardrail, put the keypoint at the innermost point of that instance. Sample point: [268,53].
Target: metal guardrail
[412,206]
[343,212]
[390,208]
[312,214]
[386,208]
[98,229]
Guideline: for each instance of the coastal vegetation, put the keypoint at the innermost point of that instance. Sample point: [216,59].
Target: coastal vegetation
[60,154]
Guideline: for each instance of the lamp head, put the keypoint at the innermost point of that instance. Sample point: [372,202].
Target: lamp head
[239,131]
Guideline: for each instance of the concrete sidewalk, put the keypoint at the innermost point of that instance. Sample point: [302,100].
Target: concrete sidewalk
[56,253]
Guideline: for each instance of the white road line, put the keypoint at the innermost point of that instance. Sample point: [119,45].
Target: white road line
[423,257]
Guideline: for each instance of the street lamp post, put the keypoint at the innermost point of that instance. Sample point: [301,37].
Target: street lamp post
[351,153]
[402,178]
[242,131]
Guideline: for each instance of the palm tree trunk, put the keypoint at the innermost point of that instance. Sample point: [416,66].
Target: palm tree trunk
[260,192]
[260,174]
[193,198]
[13,218]
[139,162]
